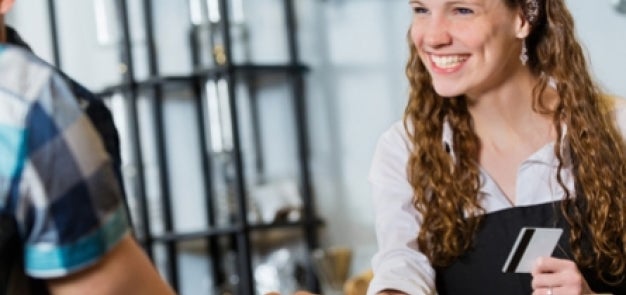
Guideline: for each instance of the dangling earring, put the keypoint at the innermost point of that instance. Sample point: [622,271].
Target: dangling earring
[524,55]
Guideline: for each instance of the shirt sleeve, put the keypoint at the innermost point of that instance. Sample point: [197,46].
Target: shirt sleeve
[69,208]
[398,264]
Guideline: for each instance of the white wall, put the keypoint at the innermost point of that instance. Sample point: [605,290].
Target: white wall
[357,89]
[603,32]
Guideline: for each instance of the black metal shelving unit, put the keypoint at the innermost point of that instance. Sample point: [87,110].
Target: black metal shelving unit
[218,238]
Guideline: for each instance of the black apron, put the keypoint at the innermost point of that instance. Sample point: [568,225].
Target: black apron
[479,271]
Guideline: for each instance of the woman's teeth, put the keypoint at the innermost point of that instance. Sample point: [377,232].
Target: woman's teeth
[448,61]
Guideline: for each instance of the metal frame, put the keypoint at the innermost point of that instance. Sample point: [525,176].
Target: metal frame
[54,33]
[246,276]
[239,233]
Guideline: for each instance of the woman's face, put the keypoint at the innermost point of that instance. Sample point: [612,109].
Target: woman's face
[469,47]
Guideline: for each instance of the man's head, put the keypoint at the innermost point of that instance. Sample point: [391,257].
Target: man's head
[5,6]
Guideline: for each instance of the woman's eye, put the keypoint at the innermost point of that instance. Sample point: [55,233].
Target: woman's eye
[420,10]
[463,10]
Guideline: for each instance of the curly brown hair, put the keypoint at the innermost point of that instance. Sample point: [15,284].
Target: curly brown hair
[446,190]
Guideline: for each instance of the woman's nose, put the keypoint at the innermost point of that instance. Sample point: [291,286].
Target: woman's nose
[437,33]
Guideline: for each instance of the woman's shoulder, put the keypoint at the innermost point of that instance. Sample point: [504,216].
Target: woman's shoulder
[397,134]
[613,104]
[396,129]
[393,143]
[616,106]
[613,101]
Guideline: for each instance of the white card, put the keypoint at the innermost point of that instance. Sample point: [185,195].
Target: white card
[531,243]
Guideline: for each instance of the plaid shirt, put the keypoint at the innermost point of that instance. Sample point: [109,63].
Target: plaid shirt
[60,200]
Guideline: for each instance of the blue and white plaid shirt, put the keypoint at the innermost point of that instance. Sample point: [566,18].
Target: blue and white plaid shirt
[60,201]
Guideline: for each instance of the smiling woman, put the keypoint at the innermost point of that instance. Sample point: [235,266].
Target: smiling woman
[504,129]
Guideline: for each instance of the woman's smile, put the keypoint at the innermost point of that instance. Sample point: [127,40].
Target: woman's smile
[447,63]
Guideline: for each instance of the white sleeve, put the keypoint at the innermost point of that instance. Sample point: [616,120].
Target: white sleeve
[398,264]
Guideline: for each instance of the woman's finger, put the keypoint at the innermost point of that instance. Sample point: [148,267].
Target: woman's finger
[551,264]
[546,291]
[545,280]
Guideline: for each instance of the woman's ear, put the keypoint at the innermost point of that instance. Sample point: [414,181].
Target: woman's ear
[522,26]
[5,6]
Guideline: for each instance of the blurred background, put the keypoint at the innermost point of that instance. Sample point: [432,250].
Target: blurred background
[247,126]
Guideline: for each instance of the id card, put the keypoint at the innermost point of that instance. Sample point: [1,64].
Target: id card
[531,243]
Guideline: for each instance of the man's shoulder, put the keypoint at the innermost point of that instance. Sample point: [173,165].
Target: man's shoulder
[22,74]
[15,40]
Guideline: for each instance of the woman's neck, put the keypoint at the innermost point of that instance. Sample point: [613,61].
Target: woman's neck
[506,116]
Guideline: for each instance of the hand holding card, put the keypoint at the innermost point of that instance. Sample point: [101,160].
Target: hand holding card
[531,243]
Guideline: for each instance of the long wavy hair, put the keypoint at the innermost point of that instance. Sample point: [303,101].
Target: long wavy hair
[446,191]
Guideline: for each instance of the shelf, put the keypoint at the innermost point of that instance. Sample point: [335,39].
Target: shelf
[204,74]
[174,237]
[280,225]
[230,230]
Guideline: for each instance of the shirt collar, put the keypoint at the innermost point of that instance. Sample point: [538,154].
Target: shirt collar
[14,38]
